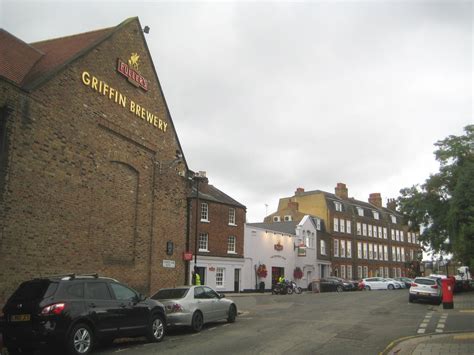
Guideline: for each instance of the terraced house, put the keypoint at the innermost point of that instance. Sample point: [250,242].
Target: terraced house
[366,239]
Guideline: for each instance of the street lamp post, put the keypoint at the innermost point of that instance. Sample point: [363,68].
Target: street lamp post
[197,178]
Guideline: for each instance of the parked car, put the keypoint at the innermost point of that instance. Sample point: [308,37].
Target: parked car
[74,312]
[398,284]
[426,288]
[333,283]
[376,283]
[193,306]
[406,280]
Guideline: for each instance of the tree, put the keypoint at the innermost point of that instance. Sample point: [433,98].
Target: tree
[444,204]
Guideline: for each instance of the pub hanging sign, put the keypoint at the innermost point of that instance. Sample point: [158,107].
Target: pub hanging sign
[130,71]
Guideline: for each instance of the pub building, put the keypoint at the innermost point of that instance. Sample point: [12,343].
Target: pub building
[92,174]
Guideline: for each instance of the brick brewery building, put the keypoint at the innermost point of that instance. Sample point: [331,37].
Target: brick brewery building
[92,176]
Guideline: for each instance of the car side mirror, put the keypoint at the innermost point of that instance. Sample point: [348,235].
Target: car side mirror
[221,295]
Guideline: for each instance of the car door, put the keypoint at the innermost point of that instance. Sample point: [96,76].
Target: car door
[134,313]
[103,309]
[219,305]
[203,303]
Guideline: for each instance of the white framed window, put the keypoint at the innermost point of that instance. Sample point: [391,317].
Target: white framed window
[412,254]
[359,272]
[394,272]
[336,225]
[343,248]
[365,250]
[381,271]
[393,218]
[394,254]
[220,274]
[360,211]
[386,271]
[376,253]
[385,252]
[276,218]
[402,238]
[409,237]
[231,245]
[369,230]
[399,254]
[343,271]
[403,254]
[380,232]
[359,228]
[349,272]
[380,252]
[288,218]
[371,251]
[397,235]
[323,247]
[338,206]
[393,233]
[203,242]
[204,212]
[375,214]
[349,249]
[364,229]
[336,247]
[375,232]
[342,226]
[348,227]
[366,272]
[318,224]
[359,250]
[232,216]
[384,233]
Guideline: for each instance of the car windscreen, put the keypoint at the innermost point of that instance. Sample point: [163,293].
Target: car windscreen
[33,290]
[425,282]
[170,293]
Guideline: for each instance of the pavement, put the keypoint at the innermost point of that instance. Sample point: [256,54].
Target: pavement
[461,343]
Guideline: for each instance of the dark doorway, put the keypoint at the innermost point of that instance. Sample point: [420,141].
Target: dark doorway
[276,273]
[237,280]
[202,273]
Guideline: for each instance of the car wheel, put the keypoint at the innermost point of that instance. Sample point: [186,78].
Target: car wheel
[232,314]
[197,322]
[339,289]
[80,340]
[367,288]
[390,287]
[156,329]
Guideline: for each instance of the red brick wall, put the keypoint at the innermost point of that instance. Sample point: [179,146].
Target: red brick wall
[82,191]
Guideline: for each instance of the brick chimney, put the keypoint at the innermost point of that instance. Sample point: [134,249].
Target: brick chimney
[293,206]
[341,190]
[375,199]
[299,191]
[392,204]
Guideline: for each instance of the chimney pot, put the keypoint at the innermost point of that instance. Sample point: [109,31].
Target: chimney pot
[375,199]
[341,191]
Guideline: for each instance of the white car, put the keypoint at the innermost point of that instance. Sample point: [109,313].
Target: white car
[425,288]
[398,284]
[377,283]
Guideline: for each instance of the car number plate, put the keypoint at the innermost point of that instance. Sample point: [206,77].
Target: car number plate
[20,318]
[423,293]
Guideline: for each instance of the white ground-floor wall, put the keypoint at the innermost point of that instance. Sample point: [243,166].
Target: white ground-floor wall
[222,274]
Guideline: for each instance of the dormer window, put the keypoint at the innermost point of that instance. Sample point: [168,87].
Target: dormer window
[288,219]
[360,211]
[338,206]
[276,218]
[393,218]
[376,214]
[318,224]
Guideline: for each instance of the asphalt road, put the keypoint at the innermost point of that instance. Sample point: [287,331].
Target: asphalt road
[326,323]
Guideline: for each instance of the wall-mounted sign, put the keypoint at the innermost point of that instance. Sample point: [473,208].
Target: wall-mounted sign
[187,256]
[169,264]
[169,247]
[212,268]
[278,246]
[130,71]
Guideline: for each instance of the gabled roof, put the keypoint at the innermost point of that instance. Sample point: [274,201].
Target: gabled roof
[211,193]
[29,65]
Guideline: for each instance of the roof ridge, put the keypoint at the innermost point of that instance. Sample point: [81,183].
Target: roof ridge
[70,36]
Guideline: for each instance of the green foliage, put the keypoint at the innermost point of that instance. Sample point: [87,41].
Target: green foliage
[444,204]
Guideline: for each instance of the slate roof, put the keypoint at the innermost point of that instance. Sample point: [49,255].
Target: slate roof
[29,65]
[211,193]
[282,227]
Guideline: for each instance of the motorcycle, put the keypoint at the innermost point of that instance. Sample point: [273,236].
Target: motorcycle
[296,289]
[281,288]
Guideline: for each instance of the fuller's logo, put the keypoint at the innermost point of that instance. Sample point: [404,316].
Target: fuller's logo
[130,71]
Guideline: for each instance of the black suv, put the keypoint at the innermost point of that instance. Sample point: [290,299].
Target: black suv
[75,312]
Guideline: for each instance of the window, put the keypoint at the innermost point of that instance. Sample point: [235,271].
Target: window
[336,225]
[276,218]
[402,238]
[386,271]
[394,271]
[375,214]
[336,247]
[364,230]
[342,226]
[232,216]
[204,212]
[380,252]
[360,211]
[343,248]
[349,249]
[323,247]
[399,254]
[203,242]
[231,245]
[97,291]
[364,245]
[359,272]
[123,293]
[393,218]
[349,272]
[403,254]
[393,234]
[409,237]
[397,235]
[348,227]
[359,250]
[370,230]
[371,251]
[220,272]
[359,228]
[381,271]
[384,233]
[318,224]
[376,254]
[380,232]
[338,206]
[366,272]
[394,254]
[385,252]
[343,271]
[288,218]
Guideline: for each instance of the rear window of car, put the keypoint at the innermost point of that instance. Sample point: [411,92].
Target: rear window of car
[170,293]
[35,289]
[71,290]
[425,281]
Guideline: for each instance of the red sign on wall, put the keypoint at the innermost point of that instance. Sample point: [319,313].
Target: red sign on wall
[132,75]
[187,255]
[278,247]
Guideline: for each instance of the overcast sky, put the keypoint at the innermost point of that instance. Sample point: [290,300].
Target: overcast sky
[270,96]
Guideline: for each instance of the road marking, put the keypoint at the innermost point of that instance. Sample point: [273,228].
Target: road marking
[467,311]
[421,331]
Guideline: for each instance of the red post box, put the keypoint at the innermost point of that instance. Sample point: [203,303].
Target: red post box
[448,290]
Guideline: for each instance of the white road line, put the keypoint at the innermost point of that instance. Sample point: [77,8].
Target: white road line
[421,331]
